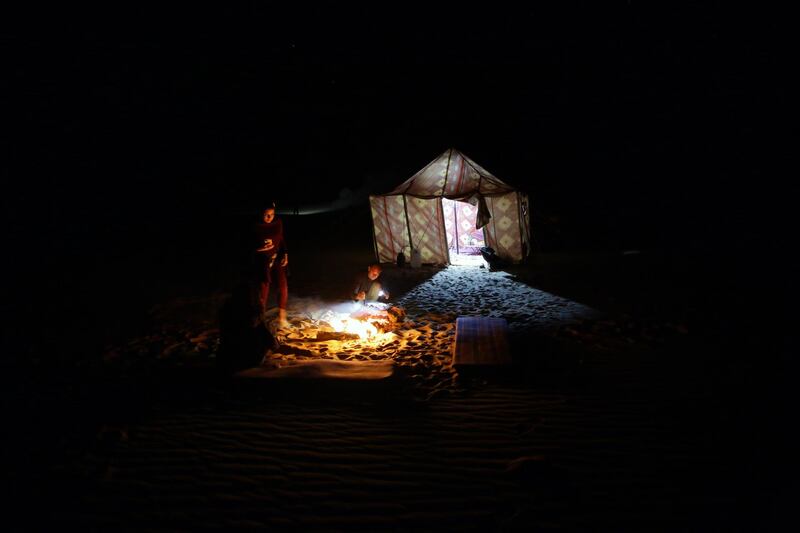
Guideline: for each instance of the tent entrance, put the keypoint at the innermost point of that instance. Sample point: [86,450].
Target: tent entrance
[464,242]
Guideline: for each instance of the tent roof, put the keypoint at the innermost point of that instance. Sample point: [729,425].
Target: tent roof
[452,175]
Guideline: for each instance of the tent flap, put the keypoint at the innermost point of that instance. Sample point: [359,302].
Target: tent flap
[427,232]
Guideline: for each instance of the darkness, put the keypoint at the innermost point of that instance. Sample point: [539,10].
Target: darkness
[139,133]
[636,126]
[629,126]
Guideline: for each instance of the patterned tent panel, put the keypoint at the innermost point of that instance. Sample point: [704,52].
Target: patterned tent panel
[452,174]
[503,230]
[427,182]
[459,220]
[427,230]
[489,184]
[389,225]
[491,187]
[457,181]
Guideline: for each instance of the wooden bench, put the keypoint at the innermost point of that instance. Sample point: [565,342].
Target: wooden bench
[481,341]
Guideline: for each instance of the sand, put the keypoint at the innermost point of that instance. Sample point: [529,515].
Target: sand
[420,345]
[585,431]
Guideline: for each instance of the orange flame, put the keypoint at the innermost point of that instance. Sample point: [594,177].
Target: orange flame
[347,324]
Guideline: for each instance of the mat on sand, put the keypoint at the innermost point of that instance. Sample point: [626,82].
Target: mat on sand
[481,341]
[324,369]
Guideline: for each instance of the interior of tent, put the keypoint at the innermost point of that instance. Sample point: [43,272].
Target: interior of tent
[464,242]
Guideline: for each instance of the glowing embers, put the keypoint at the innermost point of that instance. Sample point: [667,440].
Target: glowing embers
[350,324]
[355,325]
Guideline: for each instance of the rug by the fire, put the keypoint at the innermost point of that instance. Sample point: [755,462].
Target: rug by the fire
[324,369]
[481,341]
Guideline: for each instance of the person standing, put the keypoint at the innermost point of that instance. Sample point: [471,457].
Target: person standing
[272,259]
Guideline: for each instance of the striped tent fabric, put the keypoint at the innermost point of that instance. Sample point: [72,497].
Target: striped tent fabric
[452,175]
[503,230]
[389,227]
[427,230]
[411,215]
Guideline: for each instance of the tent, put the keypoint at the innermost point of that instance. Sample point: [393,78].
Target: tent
[413,215]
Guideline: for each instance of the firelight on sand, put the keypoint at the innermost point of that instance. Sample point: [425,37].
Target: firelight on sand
[347,324]
[362,320]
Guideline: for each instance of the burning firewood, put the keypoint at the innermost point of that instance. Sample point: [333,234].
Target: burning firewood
[363,322]
[384,319]
[335,336]
[396,314]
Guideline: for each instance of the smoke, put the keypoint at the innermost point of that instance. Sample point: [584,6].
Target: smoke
[346,198]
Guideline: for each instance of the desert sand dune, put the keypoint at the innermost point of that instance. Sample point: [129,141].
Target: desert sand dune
[589,442]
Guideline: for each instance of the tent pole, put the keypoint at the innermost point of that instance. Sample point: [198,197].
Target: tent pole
[408,225]
[483,229]
[388,225]
[447,170]
[441,203]
[374,238]
[375,244]
[455,226]
[494,228]
[444,230]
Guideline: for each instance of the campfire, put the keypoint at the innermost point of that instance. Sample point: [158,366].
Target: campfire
[372,323]
[362,327]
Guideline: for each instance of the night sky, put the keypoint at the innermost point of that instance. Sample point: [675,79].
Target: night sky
[629,126]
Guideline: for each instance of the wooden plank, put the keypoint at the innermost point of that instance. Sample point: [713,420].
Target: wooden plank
[481,341]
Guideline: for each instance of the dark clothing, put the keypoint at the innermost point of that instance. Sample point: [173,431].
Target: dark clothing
[268,269]
[273,231]
[244,338]
[491,258]
[370,287]
[275,274]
